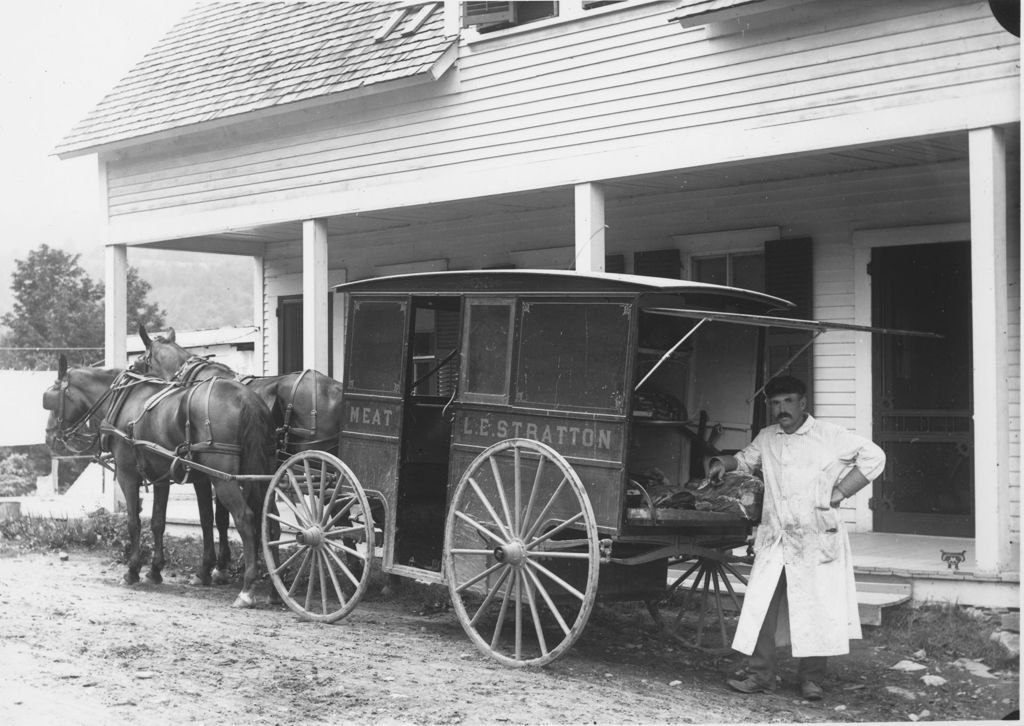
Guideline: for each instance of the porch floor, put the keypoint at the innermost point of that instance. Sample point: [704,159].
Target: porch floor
[913,555]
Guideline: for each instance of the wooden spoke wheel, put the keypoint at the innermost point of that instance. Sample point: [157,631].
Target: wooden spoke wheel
[703,597]
[521,553]
[318,540]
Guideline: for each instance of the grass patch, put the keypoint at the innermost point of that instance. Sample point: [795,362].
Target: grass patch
[945,631]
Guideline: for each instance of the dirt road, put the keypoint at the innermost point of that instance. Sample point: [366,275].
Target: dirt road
[77,647]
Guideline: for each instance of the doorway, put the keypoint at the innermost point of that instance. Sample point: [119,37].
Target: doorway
[922,389]
[289,334]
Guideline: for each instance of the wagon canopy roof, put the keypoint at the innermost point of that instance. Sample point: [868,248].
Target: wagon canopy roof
[229,58]
[555,282]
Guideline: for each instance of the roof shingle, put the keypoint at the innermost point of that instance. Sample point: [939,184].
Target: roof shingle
[227,58]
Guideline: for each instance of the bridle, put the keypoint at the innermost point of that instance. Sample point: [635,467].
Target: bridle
[71,434]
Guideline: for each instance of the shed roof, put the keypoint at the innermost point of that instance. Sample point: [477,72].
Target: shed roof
[228,58]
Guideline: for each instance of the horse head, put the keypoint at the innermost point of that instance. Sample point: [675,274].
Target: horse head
[163,357]
[72,401]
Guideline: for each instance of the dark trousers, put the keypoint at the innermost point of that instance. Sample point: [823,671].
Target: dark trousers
[763,664]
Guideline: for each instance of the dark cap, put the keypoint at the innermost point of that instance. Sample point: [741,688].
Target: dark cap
[781,385]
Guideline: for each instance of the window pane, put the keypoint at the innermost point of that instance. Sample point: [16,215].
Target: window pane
[378,331]
[710,269]
[573,355]
[748,271]
[487,364]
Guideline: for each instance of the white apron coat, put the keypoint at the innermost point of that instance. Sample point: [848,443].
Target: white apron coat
[801,532]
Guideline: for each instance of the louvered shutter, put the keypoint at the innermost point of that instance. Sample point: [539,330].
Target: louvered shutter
[789,274]
[658,263]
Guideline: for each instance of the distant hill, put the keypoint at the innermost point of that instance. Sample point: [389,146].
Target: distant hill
[197,291]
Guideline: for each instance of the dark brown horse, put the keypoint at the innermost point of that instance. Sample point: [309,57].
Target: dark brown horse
[155,431]
[305,405]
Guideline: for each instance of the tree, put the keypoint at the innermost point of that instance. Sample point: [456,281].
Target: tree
[57,305]
[140,310]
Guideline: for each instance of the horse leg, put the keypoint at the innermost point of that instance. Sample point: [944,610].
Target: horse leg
[204,499]
[273,535]
[231,495]
[157,525]
[130,488]
[221,574]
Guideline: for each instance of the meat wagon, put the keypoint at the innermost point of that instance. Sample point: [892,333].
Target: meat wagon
[535,440]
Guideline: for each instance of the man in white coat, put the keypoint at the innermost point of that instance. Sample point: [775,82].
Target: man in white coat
[801,589]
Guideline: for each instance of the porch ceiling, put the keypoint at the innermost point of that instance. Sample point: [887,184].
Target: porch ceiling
[914,152]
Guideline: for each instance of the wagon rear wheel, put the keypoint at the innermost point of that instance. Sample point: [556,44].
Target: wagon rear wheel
[521,553]
[320,563]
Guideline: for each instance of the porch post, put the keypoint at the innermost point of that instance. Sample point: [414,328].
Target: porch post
[589,227]
[314,294]
[259,318]
[987,150]
[115,306]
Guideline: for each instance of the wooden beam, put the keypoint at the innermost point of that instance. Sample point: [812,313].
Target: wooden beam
[314,294]
[590,226]
[990,339]
[115,324]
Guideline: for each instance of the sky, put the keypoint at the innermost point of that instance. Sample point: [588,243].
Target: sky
[58,58]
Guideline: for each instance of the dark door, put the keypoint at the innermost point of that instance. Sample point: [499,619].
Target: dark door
[289,334]
[922,389]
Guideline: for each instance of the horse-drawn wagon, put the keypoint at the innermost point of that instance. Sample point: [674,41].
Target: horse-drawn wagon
[537,440]
[534,440]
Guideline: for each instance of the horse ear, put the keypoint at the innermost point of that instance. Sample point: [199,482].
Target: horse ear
[62,366]
[169,337]
[144,336]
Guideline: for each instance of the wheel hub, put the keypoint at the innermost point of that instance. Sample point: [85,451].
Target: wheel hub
[310,537]
[513,553]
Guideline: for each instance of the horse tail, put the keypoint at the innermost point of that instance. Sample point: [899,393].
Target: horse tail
[256,436]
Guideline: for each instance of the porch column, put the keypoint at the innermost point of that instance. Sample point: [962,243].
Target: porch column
[987,150]
[314,294]
[589,227]
[115,306]
[259,319]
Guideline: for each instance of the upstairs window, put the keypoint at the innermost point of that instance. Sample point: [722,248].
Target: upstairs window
[490,16]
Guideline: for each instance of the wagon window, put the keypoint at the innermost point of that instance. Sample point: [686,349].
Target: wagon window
[378,333]
[573,355]
[487,349]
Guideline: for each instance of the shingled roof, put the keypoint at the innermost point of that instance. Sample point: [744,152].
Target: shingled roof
[229,58]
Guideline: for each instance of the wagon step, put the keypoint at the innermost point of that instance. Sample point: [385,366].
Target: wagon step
[874,592]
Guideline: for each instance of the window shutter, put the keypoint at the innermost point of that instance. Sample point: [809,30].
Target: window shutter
[487,13]
[658,263]
[789,274]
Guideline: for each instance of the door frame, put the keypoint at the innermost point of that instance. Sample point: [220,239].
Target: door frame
[863,242]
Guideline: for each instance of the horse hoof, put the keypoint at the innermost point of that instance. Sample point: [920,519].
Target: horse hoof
[130,578]
[244,600]
[220,577]
[197,581]
[150,579]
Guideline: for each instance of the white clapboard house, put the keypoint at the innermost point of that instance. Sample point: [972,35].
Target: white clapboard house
[858,158]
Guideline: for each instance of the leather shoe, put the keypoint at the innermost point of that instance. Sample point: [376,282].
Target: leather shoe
[747,685]
[811,691]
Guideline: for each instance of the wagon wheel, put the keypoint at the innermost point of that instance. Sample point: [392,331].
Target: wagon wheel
[521,553]
[317,565]
[704,585]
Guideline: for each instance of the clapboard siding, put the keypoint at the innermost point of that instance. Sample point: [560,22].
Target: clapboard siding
[602,84]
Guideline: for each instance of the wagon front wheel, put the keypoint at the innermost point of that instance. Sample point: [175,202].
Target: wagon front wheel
[320,562]
[521,553]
